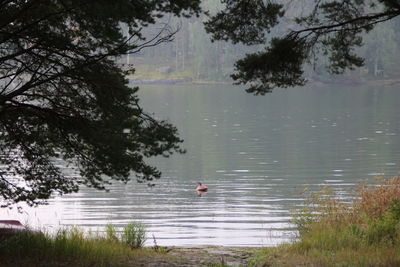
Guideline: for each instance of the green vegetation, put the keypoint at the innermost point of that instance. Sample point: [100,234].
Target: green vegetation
[72,247]
[365,232]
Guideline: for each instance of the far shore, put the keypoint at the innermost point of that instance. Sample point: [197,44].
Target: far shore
[318,83]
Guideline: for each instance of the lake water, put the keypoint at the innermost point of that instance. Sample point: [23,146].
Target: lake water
[255,153]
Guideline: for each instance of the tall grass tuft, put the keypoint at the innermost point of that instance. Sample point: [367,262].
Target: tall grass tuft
[111,233]
[134,235]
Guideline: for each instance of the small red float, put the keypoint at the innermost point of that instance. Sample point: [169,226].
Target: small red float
[201,188]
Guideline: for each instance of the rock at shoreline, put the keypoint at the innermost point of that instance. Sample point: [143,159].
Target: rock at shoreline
[10,227]
[165,70]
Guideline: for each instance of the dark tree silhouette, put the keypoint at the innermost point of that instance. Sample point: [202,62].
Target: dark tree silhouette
[62,96]
[331,28]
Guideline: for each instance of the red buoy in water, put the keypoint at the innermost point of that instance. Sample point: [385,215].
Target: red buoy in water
[201,188]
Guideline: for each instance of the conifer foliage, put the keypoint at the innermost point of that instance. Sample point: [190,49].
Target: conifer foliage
[64,100]
[331,28]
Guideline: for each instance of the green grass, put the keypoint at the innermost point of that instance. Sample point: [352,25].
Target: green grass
[72,247]
[331,233]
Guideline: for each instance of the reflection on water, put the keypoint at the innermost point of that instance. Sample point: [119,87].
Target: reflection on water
[255,154]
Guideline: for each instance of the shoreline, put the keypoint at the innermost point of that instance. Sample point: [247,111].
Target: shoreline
[205,256]
[318,83]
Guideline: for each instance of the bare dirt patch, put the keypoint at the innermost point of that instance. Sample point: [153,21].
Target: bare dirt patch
[204,256]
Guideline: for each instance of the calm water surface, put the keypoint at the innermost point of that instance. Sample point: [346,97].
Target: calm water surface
[256,154]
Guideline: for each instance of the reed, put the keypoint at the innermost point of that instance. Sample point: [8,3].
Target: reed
[133,234]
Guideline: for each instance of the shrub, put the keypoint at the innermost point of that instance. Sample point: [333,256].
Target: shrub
[385,228]
[374,201]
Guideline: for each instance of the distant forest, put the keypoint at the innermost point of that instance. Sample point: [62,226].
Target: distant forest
[192,56]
